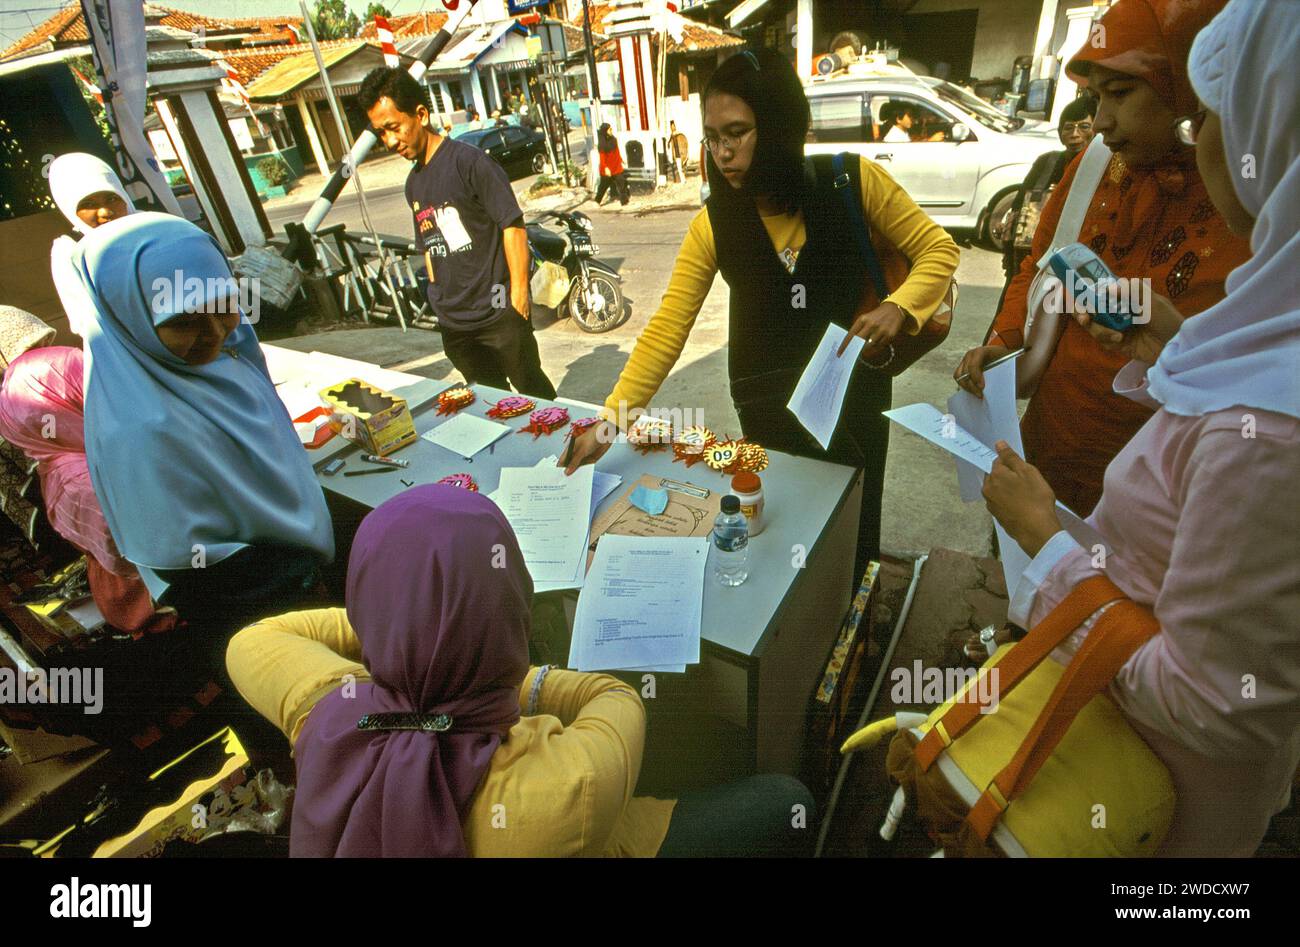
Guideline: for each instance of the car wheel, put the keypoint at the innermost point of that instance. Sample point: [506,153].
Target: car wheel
[539,163]
[997,210]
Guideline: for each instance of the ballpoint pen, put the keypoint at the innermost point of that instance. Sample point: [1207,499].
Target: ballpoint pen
[369,470]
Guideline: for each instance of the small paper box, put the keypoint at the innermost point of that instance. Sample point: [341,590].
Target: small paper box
[378,421]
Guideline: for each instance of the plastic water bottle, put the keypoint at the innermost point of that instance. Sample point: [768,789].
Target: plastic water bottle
[731,543]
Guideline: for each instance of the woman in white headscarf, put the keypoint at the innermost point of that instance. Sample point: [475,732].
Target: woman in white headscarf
[88,193]
[1199,512]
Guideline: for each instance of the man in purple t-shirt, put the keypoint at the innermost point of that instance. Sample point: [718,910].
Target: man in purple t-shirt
[470,228]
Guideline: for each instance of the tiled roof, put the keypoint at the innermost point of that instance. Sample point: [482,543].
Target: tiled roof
[696,38]
[68,27]
[251,63]
[413,24]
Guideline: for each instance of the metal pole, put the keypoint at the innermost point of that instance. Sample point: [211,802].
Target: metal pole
[345,136]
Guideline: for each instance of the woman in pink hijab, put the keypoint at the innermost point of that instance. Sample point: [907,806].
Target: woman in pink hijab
[42,412]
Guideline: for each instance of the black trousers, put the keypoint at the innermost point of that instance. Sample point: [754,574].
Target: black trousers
[503,354]
[615,182]
[861,440]
[755,817]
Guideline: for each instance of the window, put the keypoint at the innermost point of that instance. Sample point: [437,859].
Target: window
[838,118]
[490,140]
[902,119]
[514,136]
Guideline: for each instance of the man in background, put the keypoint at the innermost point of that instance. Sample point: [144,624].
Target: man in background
[470,228]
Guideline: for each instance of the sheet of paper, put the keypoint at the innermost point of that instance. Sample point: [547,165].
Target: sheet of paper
[642,604]
[550,514]
[297,398]
[992,418]
[465,434]
[86,614]
[819,396]
[336,368]
[602,484]
[943,429]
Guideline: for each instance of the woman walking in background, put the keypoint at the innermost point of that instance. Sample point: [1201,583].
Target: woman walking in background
[613,176]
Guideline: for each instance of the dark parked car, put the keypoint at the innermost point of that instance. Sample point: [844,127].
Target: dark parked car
[519,150]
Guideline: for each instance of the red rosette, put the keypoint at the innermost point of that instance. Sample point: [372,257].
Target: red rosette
[578,427]
[453,399]
[511,407]
[462,480]
[545,421]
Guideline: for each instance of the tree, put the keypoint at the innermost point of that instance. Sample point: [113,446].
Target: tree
[376,9]
[333,20]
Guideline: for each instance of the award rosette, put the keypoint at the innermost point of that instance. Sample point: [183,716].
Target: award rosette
[545,421]
[722,455]
[647,433]
[690,445]
[453,399]
[750,457]
[580,426]
[511,407]
[462,480]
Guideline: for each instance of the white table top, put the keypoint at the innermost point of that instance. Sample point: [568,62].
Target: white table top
[802,496]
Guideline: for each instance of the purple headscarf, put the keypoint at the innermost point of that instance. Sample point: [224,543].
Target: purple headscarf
[439,596]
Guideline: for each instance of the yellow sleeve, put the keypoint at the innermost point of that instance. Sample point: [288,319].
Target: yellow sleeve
[604,731]
[283,665]
[661,341]
[933,253]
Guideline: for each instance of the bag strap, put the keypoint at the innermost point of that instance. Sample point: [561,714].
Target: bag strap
[861,230]
[1084,599]
[1118,633]
[1092,166]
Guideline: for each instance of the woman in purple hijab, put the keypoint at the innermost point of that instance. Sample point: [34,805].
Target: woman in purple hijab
[439,596]
[419,728]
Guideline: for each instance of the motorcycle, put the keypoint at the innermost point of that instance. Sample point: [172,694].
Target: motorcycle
[595,296]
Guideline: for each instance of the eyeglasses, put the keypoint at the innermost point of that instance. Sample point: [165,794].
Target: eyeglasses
[1189,127]
[1082,127]
[731,142]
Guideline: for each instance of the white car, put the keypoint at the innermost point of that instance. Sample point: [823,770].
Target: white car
[960,159]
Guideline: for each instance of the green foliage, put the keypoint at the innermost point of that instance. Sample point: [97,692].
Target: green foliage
[374,10]
[86,66]
[274,170]
[333,20]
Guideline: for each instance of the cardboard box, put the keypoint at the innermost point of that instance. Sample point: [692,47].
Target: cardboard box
[373,418]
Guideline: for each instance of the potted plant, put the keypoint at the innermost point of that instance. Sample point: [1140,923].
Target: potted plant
[276,173]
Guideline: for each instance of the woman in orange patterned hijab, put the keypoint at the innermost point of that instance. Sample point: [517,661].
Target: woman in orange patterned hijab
[1150,218]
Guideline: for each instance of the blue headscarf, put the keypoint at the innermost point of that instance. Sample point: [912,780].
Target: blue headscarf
[184,455]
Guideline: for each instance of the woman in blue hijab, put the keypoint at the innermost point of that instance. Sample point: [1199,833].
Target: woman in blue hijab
[193,457]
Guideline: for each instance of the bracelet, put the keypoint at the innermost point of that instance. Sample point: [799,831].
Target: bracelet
[886,362]
[536,690]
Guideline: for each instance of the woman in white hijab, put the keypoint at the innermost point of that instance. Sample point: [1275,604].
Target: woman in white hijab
[1199,512]
[88,193]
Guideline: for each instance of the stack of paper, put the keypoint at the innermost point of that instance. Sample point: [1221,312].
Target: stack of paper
[601,485]
[642,605]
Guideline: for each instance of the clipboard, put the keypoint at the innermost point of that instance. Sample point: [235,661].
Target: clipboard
[691,511]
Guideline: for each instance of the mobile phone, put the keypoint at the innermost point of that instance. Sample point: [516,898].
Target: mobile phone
[1088,279]
[334,466]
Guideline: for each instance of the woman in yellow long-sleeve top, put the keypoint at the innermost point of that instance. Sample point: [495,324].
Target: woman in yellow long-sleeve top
[424,731]
[779,233]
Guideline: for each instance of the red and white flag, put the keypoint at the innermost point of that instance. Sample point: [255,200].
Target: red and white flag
[90,86]
[386,42]
[232,80]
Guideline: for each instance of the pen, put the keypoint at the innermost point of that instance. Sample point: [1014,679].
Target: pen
[387,461]
[997,361]
[369,470]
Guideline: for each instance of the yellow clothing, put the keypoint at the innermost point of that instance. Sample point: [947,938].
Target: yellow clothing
[560,784]
[889,210]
